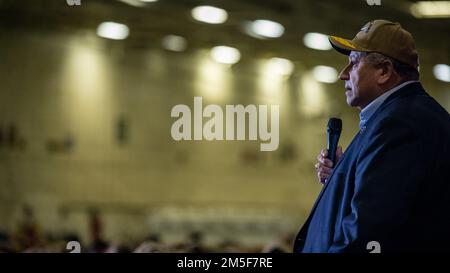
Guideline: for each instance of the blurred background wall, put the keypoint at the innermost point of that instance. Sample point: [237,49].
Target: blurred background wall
[85,120]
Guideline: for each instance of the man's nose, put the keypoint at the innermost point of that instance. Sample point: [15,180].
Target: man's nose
[344,74]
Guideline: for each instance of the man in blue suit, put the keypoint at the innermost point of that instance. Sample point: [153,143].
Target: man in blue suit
[391,187]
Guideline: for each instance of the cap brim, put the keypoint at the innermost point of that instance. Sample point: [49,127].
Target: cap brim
[343,46]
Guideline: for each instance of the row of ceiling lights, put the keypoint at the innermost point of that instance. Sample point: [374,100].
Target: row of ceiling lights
[229,55]
[262,29]
[419,9]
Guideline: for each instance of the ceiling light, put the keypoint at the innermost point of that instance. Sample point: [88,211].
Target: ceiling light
[138,3]
[280,66]
[264,29]
[210,15]
[225,54]
[325,74]
[431,9]
[442,72]
[113,30]
[316,41]
[174,43]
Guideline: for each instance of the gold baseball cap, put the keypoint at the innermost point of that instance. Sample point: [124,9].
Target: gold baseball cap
[382,36]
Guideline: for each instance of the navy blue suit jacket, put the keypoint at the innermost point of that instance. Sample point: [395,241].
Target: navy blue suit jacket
[392,184]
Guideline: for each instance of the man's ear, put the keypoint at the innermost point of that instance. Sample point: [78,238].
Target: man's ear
[386,71]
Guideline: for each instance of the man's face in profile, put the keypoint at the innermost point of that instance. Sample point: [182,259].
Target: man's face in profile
[360,80]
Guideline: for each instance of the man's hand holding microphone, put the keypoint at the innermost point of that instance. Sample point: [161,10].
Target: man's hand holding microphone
[328,158]
[324,166]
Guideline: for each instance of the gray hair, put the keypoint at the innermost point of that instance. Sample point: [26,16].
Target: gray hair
[407,72]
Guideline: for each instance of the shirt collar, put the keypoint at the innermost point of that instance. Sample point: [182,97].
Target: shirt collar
[368,111]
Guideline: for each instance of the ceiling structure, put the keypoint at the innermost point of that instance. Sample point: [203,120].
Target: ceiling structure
[150,22]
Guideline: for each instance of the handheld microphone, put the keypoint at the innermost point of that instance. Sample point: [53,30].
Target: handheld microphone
[334,129]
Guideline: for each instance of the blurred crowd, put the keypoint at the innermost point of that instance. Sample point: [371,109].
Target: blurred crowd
[29,238]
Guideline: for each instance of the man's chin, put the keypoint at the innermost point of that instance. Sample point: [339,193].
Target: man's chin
[352,102]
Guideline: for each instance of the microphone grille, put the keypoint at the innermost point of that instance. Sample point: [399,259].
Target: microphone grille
[335,124]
